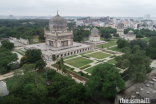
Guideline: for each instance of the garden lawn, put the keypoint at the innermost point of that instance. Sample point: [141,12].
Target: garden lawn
[78,62]
[116,49]
[146,39]
[112,61]
[91,69]
[99,55]
[110,43]
[70,56]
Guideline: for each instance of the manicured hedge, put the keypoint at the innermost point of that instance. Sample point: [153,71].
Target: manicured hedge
[85,66]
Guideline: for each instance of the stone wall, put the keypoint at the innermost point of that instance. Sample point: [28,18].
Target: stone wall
[20,40]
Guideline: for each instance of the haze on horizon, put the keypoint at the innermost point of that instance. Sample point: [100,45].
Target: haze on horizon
[112,8]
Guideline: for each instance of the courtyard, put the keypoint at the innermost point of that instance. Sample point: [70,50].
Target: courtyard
[78,62]
[99,55]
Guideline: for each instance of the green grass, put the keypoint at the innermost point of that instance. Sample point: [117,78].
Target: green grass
[86,52]
[146,39]
[90,70]
[70,57]
[112,61]
[110,43]
[20,53]
[116,49]
[99,55]
[78,62]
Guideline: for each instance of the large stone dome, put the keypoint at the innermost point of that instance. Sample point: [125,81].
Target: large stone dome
[57,23]
[94,32]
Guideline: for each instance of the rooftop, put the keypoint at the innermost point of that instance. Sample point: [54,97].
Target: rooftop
[49,50]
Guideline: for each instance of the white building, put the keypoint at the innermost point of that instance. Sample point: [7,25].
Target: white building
[94,37]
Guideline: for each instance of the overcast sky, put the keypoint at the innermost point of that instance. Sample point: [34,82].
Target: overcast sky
[113,8]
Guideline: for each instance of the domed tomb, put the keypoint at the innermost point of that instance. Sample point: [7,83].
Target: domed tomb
[94,37]
[57,23]
[94,32]
[58,36]
[130,36]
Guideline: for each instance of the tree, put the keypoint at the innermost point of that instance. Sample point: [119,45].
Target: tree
[41,37]
[141,43]
[29,67]
[64,69]
[7,44]
[152,42]
[11,99]
[139,35]
[54,58]
[116,35]
[136,61]
[7,58]
[104,79]
[29,86]
[31,56]
[151,49]
[107,36]
[40,64]
[122,43]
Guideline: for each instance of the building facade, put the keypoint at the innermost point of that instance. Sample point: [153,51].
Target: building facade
[130,36]
[120,29]
[58,35]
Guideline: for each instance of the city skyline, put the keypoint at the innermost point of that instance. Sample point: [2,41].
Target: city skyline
[112,8]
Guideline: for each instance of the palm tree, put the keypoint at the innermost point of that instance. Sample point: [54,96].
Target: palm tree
[62,61]
[54,58]
[64,70]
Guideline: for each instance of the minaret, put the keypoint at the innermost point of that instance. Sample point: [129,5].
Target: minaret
[57,12]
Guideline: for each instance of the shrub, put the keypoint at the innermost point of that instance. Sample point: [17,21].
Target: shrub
[72,68]
[85,67]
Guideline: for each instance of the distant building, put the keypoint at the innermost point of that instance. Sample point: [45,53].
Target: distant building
[147,16]
[120,29]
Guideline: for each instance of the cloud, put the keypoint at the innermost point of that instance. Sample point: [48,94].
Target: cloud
[116,8]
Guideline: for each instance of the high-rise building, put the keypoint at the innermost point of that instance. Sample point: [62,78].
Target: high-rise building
[147,16]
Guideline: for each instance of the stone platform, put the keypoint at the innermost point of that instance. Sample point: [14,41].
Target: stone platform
[64,51]
[97,43]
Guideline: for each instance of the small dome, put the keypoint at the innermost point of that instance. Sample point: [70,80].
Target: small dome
[94,32]
[130,32]
[58,23]
[120,25]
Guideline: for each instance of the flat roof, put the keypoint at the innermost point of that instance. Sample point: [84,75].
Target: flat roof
[49,50]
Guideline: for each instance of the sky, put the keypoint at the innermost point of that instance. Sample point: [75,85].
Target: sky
[95,8]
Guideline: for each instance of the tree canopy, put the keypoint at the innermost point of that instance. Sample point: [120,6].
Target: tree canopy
[104,79]
[7,58]
[31,56]
[7,44]
[122,43]
[136,61]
